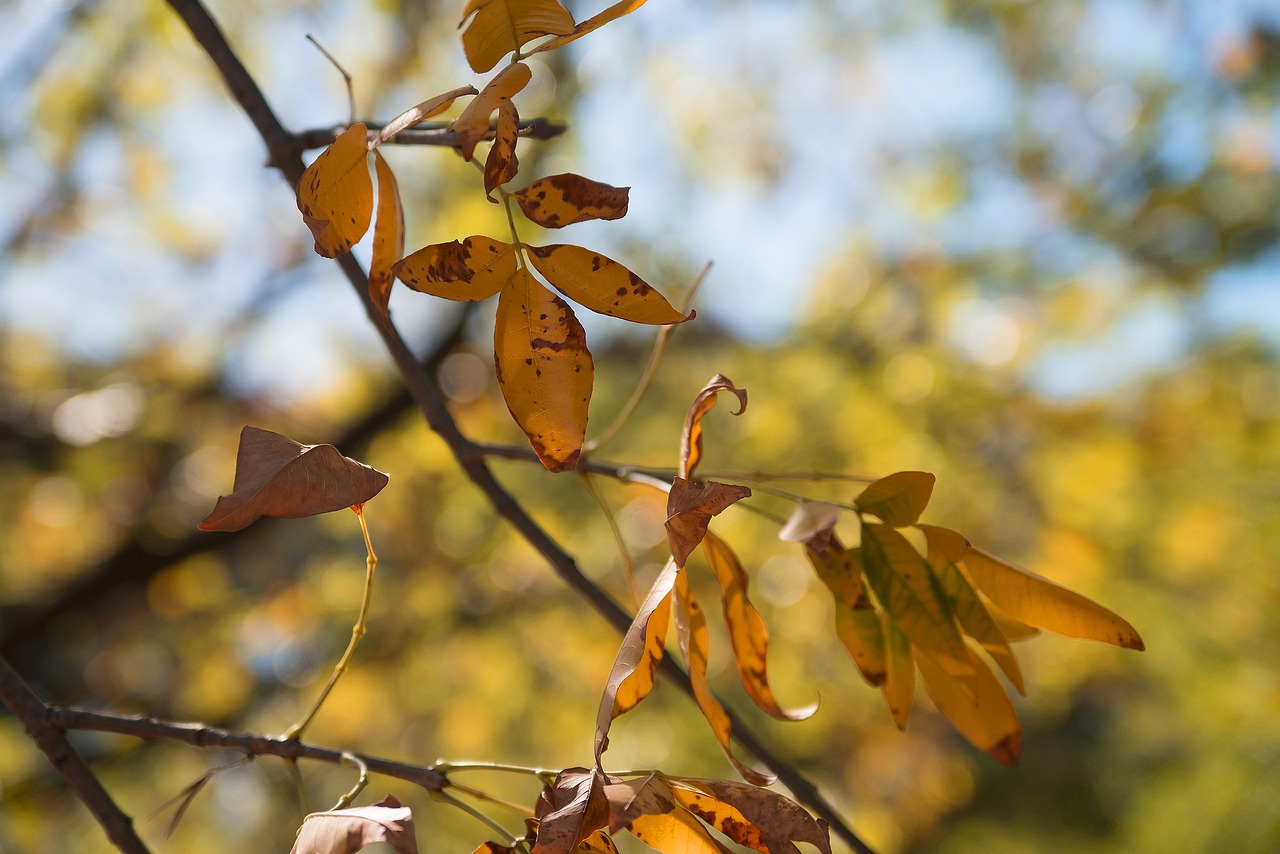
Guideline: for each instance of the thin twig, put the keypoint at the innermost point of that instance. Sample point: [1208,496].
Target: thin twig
[427,133]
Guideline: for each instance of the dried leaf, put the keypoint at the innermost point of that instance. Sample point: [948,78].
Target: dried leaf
[899,499]
[631,655]
[276,476]
[811,523]
[1037,601]
[502,26]
[420,113]
[640,796]
[347,831]
[544,369]
[473,125]
[493,848]
[747,631]
[900,672]
[502,164]
[335,193]
[779,821]
[637,685]
[560,200]
[690,507]
[595,22]
[978,707]
[597,843]
[472,270]
[602,285]
[691,628]
[691,438]
[677,832]
[724,817]
[388,238]
[570,810]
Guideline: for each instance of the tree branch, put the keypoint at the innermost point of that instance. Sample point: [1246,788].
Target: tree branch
[27,707]
[427,133]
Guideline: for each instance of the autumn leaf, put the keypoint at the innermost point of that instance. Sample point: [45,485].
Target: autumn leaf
[978,707]
[691,628]
[276,476]
[691,436]
[632,655]
[639,796]
[570,810]
[560,200]
[597,843]
[471,270]
[862,635]
[772,820]
[420,113]
[900,673]
[674,832]
[602,284]
[690,507]
[388,238]
[639,682]
[502,164]
[747,631]
[899,499]
[347,831]
[595,22]
[493,848]
[544,369]
[335,193]
[473,125]
[1037,601]
[502,26]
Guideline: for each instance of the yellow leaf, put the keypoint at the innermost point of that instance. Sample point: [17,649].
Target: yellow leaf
[598,842]
[906,589]
[420,113]
[978,708]
[473,125]
[841,570]
[501,26]
[898,499]
[1013,630]
[900,673]
[560,200]
[595,22]
[472,270]
[544,369]
[388,237]
[860,631]
[945,548]
[335,194]
[747,631]
[755,817]
[1037,601]
[724,817]
[676,832]
[691,627]
[502,164]
[639,682]
[601,284]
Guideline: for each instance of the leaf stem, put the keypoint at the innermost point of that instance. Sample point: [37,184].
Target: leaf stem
[467,808]
[359,764]
[485,796]
[451,767]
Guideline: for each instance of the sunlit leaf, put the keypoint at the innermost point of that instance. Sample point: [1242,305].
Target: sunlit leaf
[639,682]
[276,476]
[502,26]
[811,523]
[388,237]
[747,631]
[502,164]
[595,22]
[691,627]
[560,200]
[631,655]
[900,672]
[774,820]
[1037,601]
[471,270]
[691,437]
[597,843]
[862,635]
[602,285]
[978,707]
[347,831]
[690,507]
[544,369]
[633,798]
[1013,630]
[840,569]
[570,810]
[676,832]
[473,125]
[898,499]
[335,193]
[420,113]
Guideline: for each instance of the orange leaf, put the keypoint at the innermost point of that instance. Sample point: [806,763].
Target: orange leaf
[502,164]
[690,507]
[602,285]
[773,819]
[544,369]
[676,832]
[631,799]
[420,113]
[639,682]
[900,674]
[472,270]
[632,653]
[597,843]
[570,810]
[1037,601]
[691,438]
[724,817]
[560,200]
[388,237]
[276,476]
[978,708]
[501,26]
[747,631]
[691,627]
[473,125]
[595,22]
[335,194]
[347,831]
[898,499]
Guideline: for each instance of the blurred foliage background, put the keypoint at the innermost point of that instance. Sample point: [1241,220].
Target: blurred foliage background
[1031,247]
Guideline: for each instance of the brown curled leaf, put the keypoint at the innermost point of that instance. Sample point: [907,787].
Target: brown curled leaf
[420,113]
[564,199]
[570,810]
[347,831]
[602,284]
[690,507]
[335,194]
[691,437]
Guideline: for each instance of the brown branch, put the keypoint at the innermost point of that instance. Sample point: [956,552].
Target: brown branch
[251,744]
[51,738]
[427,133]
[431,402]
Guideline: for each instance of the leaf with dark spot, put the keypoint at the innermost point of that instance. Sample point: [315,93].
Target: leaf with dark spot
[602,285]
[779,822]
[469,270]
[564,199]
[502,164]
[473,125]
[335,194]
